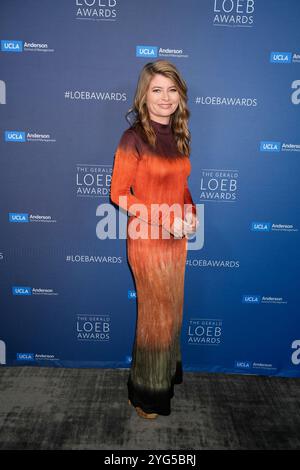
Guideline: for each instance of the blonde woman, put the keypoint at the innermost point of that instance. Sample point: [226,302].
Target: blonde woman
[150,181]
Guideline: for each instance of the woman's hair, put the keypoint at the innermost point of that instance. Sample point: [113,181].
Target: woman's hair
[178,120]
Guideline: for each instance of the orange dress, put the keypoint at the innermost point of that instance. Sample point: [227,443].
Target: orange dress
[143,179]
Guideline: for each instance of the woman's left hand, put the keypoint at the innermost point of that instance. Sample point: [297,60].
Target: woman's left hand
[191,224]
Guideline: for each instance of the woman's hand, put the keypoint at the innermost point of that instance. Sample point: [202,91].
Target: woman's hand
[192,223]
[187,227]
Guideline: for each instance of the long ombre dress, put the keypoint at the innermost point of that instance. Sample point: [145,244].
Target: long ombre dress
[146,176]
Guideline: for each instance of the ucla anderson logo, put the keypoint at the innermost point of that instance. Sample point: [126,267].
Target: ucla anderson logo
[251,299]
[131,294]
[21,290]
[281,57]
[25,357]
[146,51]
[261,226]
[16,217]
[11,46]
[243,364]
[269,146]
[14,136]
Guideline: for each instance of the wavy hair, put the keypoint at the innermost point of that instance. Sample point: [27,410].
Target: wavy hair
[178,120]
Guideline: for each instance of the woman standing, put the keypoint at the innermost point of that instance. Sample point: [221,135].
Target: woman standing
[150,181]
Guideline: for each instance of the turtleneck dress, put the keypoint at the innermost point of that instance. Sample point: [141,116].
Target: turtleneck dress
[143,180]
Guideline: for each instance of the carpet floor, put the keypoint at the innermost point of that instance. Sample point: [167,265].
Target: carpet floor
[45,408]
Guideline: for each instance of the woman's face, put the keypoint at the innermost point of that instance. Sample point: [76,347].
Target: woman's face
[162,98]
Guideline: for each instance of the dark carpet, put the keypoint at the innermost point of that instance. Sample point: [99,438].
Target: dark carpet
[59,408]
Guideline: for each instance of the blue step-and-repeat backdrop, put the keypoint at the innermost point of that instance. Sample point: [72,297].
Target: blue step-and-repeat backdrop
[68,72]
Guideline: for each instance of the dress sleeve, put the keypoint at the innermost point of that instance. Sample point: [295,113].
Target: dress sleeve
[126,161]
[188,199]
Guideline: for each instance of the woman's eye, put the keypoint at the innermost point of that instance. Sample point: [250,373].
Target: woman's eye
[157,89]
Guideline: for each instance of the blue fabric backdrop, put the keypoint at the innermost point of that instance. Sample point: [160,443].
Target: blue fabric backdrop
[68,72]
